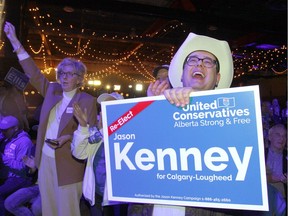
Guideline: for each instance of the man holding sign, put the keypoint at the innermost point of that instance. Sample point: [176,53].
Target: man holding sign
[201,63]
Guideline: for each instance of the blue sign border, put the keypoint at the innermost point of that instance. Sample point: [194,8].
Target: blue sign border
[219,136]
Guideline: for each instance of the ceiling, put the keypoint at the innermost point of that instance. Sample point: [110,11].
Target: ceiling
[121,41]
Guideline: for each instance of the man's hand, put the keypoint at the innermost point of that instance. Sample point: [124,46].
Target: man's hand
[29,162]
[272,178]
[158,87]
[178,96]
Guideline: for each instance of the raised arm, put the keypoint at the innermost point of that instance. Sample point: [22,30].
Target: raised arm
[36,78]
[10,32]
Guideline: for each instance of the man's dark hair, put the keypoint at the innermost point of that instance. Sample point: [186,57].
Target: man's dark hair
[157,69]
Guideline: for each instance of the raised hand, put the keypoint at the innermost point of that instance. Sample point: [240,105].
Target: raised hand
[158,87]
[10,32]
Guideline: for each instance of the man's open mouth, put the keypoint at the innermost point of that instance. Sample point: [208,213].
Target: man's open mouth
[198,74]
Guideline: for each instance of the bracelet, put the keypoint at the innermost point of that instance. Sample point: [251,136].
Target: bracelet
[17,49]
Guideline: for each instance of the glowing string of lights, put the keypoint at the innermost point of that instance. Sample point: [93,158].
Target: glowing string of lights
[2,45]
[262,60]
[149,76]
[33,50]
[253,61]
[279,72]
[86,46]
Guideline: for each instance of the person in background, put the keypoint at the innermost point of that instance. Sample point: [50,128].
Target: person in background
[276,111]
[13,172]
[162,81]
[276,165]
[266,120]
[13,102]
[26,201]
[277,204]
[161,72]
[91,147]
[60,175]
[284,114]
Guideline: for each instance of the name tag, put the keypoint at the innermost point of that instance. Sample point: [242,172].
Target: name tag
[69,110]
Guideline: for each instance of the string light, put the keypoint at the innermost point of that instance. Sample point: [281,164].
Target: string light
[83,50]
[245,61]
[33,50]
[260,60]
[2,45]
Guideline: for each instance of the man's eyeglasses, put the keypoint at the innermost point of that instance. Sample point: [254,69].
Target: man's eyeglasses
[68,74]
[207,62]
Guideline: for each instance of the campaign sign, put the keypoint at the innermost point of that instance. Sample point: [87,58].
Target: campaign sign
[207,154]
[16,78]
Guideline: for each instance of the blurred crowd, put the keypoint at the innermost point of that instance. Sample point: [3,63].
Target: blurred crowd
[272,114]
